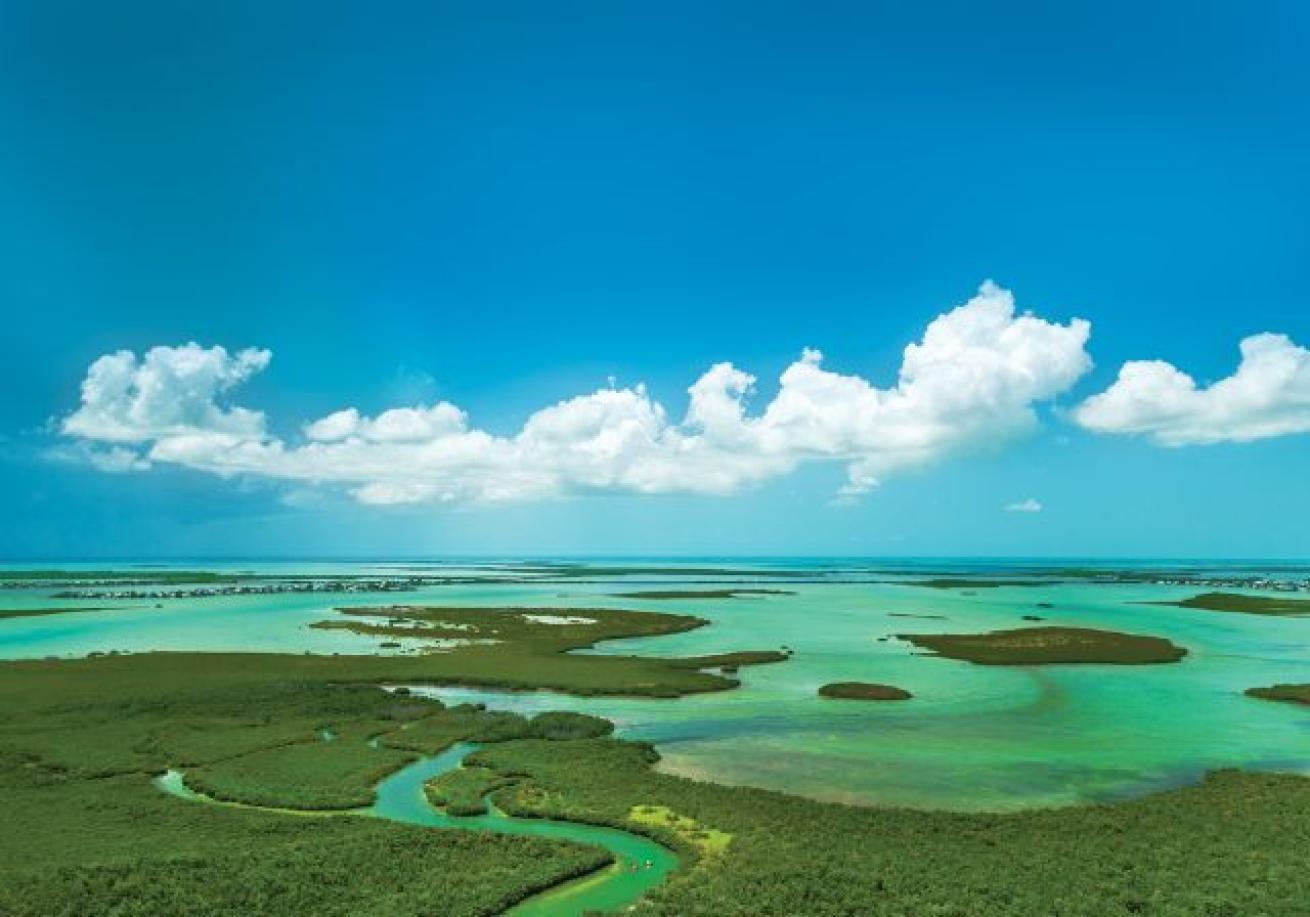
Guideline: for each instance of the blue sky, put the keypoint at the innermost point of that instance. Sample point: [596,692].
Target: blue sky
[507,206]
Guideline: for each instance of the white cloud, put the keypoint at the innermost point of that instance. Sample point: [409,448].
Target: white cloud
[398,425]
[111,460]
[117,460]
[1268,395]
[1025,506]
[171,391]
[970,383]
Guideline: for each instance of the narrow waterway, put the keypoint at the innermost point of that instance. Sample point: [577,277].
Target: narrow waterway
[639,865]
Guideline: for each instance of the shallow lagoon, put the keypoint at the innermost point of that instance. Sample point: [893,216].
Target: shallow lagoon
[973,737]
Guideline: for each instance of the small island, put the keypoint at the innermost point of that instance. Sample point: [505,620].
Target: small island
[1046,645]
[863,690]
[1291,694]
[1243,604]
[38,612]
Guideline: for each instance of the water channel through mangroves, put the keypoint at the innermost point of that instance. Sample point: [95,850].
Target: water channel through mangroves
[639,864]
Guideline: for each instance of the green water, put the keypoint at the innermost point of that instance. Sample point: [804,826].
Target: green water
[973,737]
[400,798]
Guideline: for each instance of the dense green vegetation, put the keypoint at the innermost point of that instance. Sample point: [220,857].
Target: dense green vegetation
[526,648]
[472,722]
[434,734]
[1296,694]
[960,582]
[562,725]
[122,847]
[315,775]
[1243,604]
[211,712]
[461,791]
[728,660]
[576,570]
[1234,845]
[658,594]
[863,690]
[1037,645]
[85,832]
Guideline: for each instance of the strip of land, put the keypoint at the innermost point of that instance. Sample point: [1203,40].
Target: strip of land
[120,577]
[38,612]
[698,593]
[968,582]
[1293,694]
[1045,645]
[1243,604]
[589,570]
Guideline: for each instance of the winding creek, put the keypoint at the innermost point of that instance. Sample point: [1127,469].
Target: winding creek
[400,798]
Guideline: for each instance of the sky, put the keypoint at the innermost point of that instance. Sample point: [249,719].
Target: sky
[874,279]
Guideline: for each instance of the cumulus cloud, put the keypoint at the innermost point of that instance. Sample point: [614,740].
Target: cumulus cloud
[171,391]
[1025,506]
[973,380]
[398,425]
[1268,395]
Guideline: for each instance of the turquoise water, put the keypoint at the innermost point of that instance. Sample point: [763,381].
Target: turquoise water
[973,737]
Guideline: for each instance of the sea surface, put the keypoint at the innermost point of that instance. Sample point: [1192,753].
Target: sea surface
[972,738]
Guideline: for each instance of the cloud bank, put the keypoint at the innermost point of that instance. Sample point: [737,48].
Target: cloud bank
[1268,395]
[971,382]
